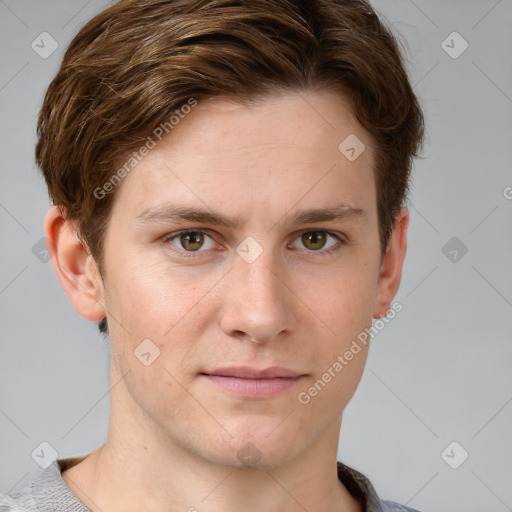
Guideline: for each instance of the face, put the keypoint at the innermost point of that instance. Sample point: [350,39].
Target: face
[268,285]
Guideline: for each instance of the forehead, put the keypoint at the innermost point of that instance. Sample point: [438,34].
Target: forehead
[280,150]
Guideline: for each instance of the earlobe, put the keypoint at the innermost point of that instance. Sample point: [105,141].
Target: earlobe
[74,265]
[392,264]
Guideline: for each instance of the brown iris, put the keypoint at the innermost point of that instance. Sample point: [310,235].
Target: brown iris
[316,239]
[192,241]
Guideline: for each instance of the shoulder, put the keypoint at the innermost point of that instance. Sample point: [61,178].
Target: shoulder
[24,499]
[42,493]
[21,501]
[361,487]
[46,492]
[391,506]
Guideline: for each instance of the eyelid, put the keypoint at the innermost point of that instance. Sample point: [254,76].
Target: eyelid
[341,237]
[170,236]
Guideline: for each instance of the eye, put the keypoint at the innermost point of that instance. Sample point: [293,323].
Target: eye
[190,240]
[315,240]
[187,242]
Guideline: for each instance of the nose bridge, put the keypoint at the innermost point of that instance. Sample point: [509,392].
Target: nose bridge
[262,287]
[262,283]
[260,305]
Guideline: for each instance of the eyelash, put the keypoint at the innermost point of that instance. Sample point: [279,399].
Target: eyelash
[342,241]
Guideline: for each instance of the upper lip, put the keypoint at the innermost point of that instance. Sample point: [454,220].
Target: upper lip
[246,372]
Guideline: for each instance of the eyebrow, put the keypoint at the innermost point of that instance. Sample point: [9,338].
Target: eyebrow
[172,213]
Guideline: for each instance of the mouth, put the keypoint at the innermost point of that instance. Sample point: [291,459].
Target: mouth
[253,382]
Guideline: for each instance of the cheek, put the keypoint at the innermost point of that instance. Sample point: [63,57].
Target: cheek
[343,303]
[342,300]
[157,297]
[336,375]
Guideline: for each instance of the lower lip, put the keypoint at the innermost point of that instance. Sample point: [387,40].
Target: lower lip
[258,388]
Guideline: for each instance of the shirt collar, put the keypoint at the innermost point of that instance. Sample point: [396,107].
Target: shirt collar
[355,482]
[360,487]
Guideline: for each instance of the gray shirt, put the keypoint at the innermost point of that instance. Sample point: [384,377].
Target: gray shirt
[49,493]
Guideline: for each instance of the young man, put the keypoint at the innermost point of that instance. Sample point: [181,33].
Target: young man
[228,180]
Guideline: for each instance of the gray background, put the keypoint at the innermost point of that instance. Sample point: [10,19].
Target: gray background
[438,373]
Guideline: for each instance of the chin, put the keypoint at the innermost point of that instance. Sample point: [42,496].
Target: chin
[261,446]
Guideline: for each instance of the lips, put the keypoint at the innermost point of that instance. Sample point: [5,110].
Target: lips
[253,382]
[246,372]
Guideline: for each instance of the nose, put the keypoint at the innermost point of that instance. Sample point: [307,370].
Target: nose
[258,301]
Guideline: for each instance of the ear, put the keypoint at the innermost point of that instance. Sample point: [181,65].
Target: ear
[391,267]
[75,267]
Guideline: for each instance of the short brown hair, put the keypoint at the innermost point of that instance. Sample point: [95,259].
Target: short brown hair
[134,64]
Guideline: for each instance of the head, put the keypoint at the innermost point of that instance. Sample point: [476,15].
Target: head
[254,111]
